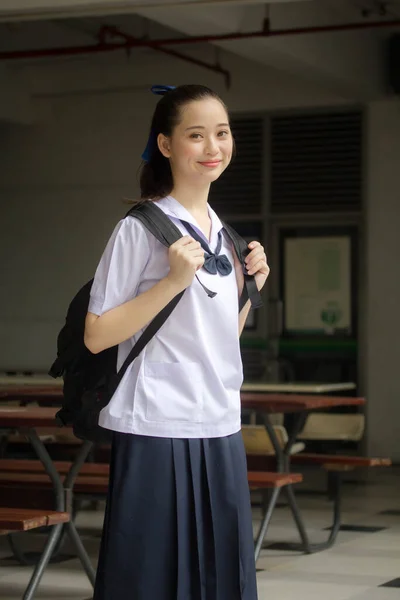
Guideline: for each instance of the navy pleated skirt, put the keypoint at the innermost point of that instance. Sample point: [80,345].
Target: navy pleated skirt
[178,521]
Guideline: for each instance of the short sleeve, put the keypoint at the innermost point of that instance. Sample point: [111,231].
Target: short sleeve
[120,268]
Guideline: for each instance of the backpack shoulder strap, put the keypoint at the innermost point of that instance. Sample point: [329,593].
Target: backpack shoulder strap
[144,339]
[163,229]
[157,222]
[250,290]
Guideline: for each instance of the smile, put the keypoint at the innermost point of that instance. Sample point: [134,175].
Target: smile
[211,163]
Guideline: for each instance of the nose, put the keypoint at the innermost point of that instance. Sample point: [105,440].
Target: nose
[212,146]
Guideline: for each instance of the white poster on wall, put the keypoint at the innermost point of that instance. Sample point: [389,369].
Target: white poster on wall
[317,284]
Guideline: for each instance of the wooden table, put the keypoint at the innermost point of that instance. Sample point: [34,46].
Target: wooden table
[293,403]
[30,380]
[25,394]
[44,383]
[30,388]
[34,388]
[296,387]
[27,420]
[18,417]
[299,406]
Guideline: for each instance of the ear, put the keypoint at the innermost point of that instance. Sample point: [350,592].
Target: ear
[164,145]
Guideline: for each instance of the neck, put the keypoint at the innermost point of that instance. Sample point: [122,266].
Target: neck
[193,199]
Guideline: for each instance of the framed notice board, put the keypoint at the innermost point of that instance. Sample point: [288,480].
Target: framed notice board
[319,281]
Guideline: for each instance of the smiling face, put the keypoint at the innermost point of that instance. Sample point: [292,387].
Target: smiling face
[200,147]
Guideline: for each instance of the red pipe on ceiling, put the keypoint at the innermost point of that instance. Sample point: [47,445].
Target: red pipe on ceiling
[114,32]
[132,43]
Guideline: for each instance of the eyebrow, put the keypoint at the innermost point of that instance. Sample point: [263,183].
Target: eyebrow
[201,127]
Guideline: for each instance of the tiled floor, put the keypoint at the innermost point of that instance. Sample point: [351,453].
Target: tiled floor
[361,566]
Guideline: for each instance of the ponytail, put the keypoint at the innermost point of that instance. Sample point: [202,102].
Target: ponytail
[155,177]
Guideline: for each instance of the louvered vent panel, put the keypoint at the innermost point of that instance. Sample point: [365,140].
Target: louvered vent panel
[316,163]
[239,190]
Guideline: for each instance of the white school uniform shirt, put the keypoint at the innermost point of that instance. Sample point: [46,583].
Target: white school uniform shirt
[186,382]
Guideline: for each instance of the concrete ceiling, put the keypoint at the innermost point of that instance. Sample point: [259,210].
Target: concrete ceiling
[45,9]
[350,63]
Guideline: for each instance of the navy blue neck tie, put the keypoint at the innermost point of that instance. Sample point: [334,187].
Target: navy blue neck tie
[214,262]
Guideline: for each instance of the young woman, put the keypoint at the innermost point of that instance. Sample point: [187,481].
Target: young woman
[178,519]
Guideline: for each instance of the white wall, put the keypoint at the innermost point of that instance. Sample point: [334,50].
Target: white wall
[382,340]
[62,178]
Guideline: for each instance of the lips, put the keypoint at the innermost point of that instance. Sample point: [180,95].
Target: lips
[211,163]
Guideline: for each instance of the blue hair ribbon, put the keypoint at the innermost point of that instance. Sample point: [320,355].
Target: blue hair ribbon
[161,90]
[158,90]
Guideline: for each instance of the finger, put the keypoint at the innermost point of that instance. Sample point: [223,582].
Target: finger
[194,247]
[260,266]
[255,259]
[197,253]
[254,244]
[200,263]
[191,246]
[256,251]
[184,241]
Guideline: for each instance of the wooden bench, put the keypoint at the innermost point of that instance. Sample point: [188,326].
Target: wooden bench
[335,466]
[25,481]
[18,465]
[94,476]
[330,462]
[336,462]
[13,520]
[36,489]
[21,477]
[24,519]
[267,480]
[262,480]
[29,471]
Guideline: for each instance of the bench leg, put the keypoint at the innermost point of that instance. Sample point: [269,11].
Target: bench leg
[336,494]
[51,543]
[305,542]
[283,464]
[81,552]
[44,457]
[265,522]
[305,545]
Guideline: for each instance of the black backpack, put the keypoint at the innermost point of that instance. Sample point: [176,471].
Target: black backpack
[91,379]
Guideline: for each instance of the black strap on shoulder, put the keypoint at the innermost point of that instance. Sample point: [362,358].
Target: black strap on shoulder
[145,338]
[250,290]
[157,222]
[161,226]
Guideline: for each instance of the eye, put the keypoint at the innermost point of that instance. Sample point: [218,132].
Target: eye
[223,133]
[195,136]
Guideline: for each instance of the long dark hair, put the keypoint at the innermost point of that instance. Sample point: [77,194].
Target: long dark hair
[155,175]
